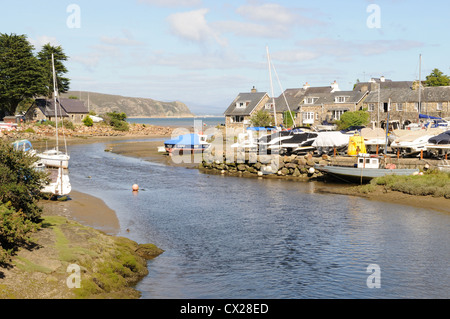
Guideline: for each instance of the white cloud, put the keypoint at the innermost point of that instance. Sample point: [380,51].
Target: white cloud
[172,3]
[192,25]
[43,40]
[294,56]
[344,50]
[268,13]
[126,40]
[268,20]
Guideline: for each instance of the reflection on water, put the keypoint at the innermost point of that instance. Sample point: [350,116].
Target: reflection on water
[231,237]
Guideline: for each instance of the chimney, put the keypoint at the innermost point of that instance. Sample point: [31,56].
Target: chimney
[382,79]
[254,90]
[334,87]
[306,86]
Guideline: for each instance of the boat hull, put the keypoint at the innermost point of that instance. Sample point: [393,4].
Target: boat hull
[364,175]
[54,160]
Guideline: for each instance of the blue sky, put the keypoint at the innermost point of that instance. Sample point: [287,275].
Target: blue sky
[204,53]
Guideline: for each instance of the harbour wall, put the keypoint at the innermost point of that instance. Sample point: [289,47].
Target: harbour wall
[297,166]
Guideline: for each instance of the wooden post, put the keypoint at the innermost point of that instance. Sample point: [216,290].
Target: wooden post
[446,156]
[421,154]
[334,152]
[377,150]
[398,153]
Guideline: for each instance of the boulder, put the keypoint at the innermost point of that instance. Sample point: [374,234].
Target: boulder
[148,251]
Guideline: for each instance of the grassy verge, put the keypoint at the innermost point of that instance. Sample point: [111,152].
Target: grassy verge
[433,183]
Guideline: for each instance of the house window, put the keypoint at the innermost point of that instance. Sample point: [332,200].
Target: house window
[311,100]
[416,106]
[337,114]
[268,106]
[341,99]
[399,107]
[308,117]
[238,119]
[241,105]
[371,107]
[439,106]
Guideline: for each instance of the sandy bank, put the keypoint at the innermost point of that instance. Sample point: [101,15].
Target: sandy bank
[380,194]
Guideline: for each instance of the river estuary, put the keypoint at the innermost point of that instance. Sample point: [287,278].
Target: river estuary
[231,237]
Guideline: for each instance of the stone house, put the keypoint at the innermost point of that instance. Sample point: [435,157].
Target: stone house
[319,107]
[405,104]
[44,109]
[243,107]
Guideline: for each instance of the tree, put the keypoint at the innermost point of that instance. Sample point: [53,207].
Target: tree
[261,118]
[20,182]
[288,118]
[45,57]
[356,118]
[437,78]
[20,73]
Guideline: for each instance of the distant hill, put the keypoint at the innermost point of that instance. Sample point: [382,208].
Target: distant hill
[131,106]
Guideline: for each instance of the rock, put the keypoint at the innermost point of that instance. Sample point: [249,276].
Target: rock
[148,251]
[296,173]
[241,167]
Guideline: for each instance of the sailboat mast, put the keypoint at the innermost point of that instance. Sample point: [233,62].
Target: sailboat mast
[419,107]
[55,92]
[271,87]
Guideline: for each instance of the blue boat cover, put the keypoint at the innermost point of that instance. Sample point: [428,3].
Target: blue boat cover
[187,139]
[23,145]
[423,116]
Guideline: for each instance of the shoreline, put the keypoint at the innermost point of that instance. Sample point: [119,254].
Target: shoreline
[147,151]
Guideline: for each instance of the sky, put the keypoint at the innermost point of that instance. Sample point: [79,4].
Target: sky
[204,53]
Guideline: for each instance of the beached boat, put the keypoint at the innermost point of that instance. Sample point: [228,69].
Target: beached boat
[24,146]
[59,183]
[55,157]
[367,168]
[191,143]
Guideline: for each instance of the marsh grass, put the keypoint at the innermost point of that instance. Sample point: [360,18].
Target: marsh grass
[433,183]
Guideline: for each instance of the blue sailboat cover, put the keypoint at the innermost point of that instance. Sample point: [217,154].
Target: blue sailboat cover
[187,139]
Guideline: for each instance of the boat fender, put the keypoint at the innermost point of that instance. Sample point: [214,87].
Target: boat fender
[390,166]
[135,188]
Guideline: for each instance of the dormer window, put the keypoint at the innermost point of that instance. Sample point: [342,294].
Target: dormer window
[311,100]
[241,105]
[341,99]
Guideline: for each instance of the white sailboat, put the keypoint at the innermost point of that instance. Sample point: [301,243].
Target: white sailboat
[55,157]
[53,161]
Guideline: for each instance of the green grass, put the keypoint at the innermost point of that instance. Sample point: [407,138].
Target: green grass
[434,183]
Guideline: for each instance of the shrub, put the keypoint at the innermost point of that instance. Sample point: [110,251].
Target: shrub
[88,121]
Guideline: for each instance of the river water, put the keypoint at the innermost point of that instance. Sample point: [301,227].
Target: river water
[231,237]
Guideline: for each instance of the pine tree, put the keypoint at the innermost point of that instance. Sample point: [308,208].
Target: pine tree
[20,73]
[45,57]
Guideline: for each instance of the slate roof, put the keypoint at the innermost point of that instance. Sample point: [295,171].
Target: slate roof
[250,99]
[64,108]
[293,97]
[329,98]
[428,94]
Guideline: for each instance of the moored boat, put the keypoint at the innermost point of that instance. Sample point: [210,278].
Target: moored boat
[190,143]
[367,168]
